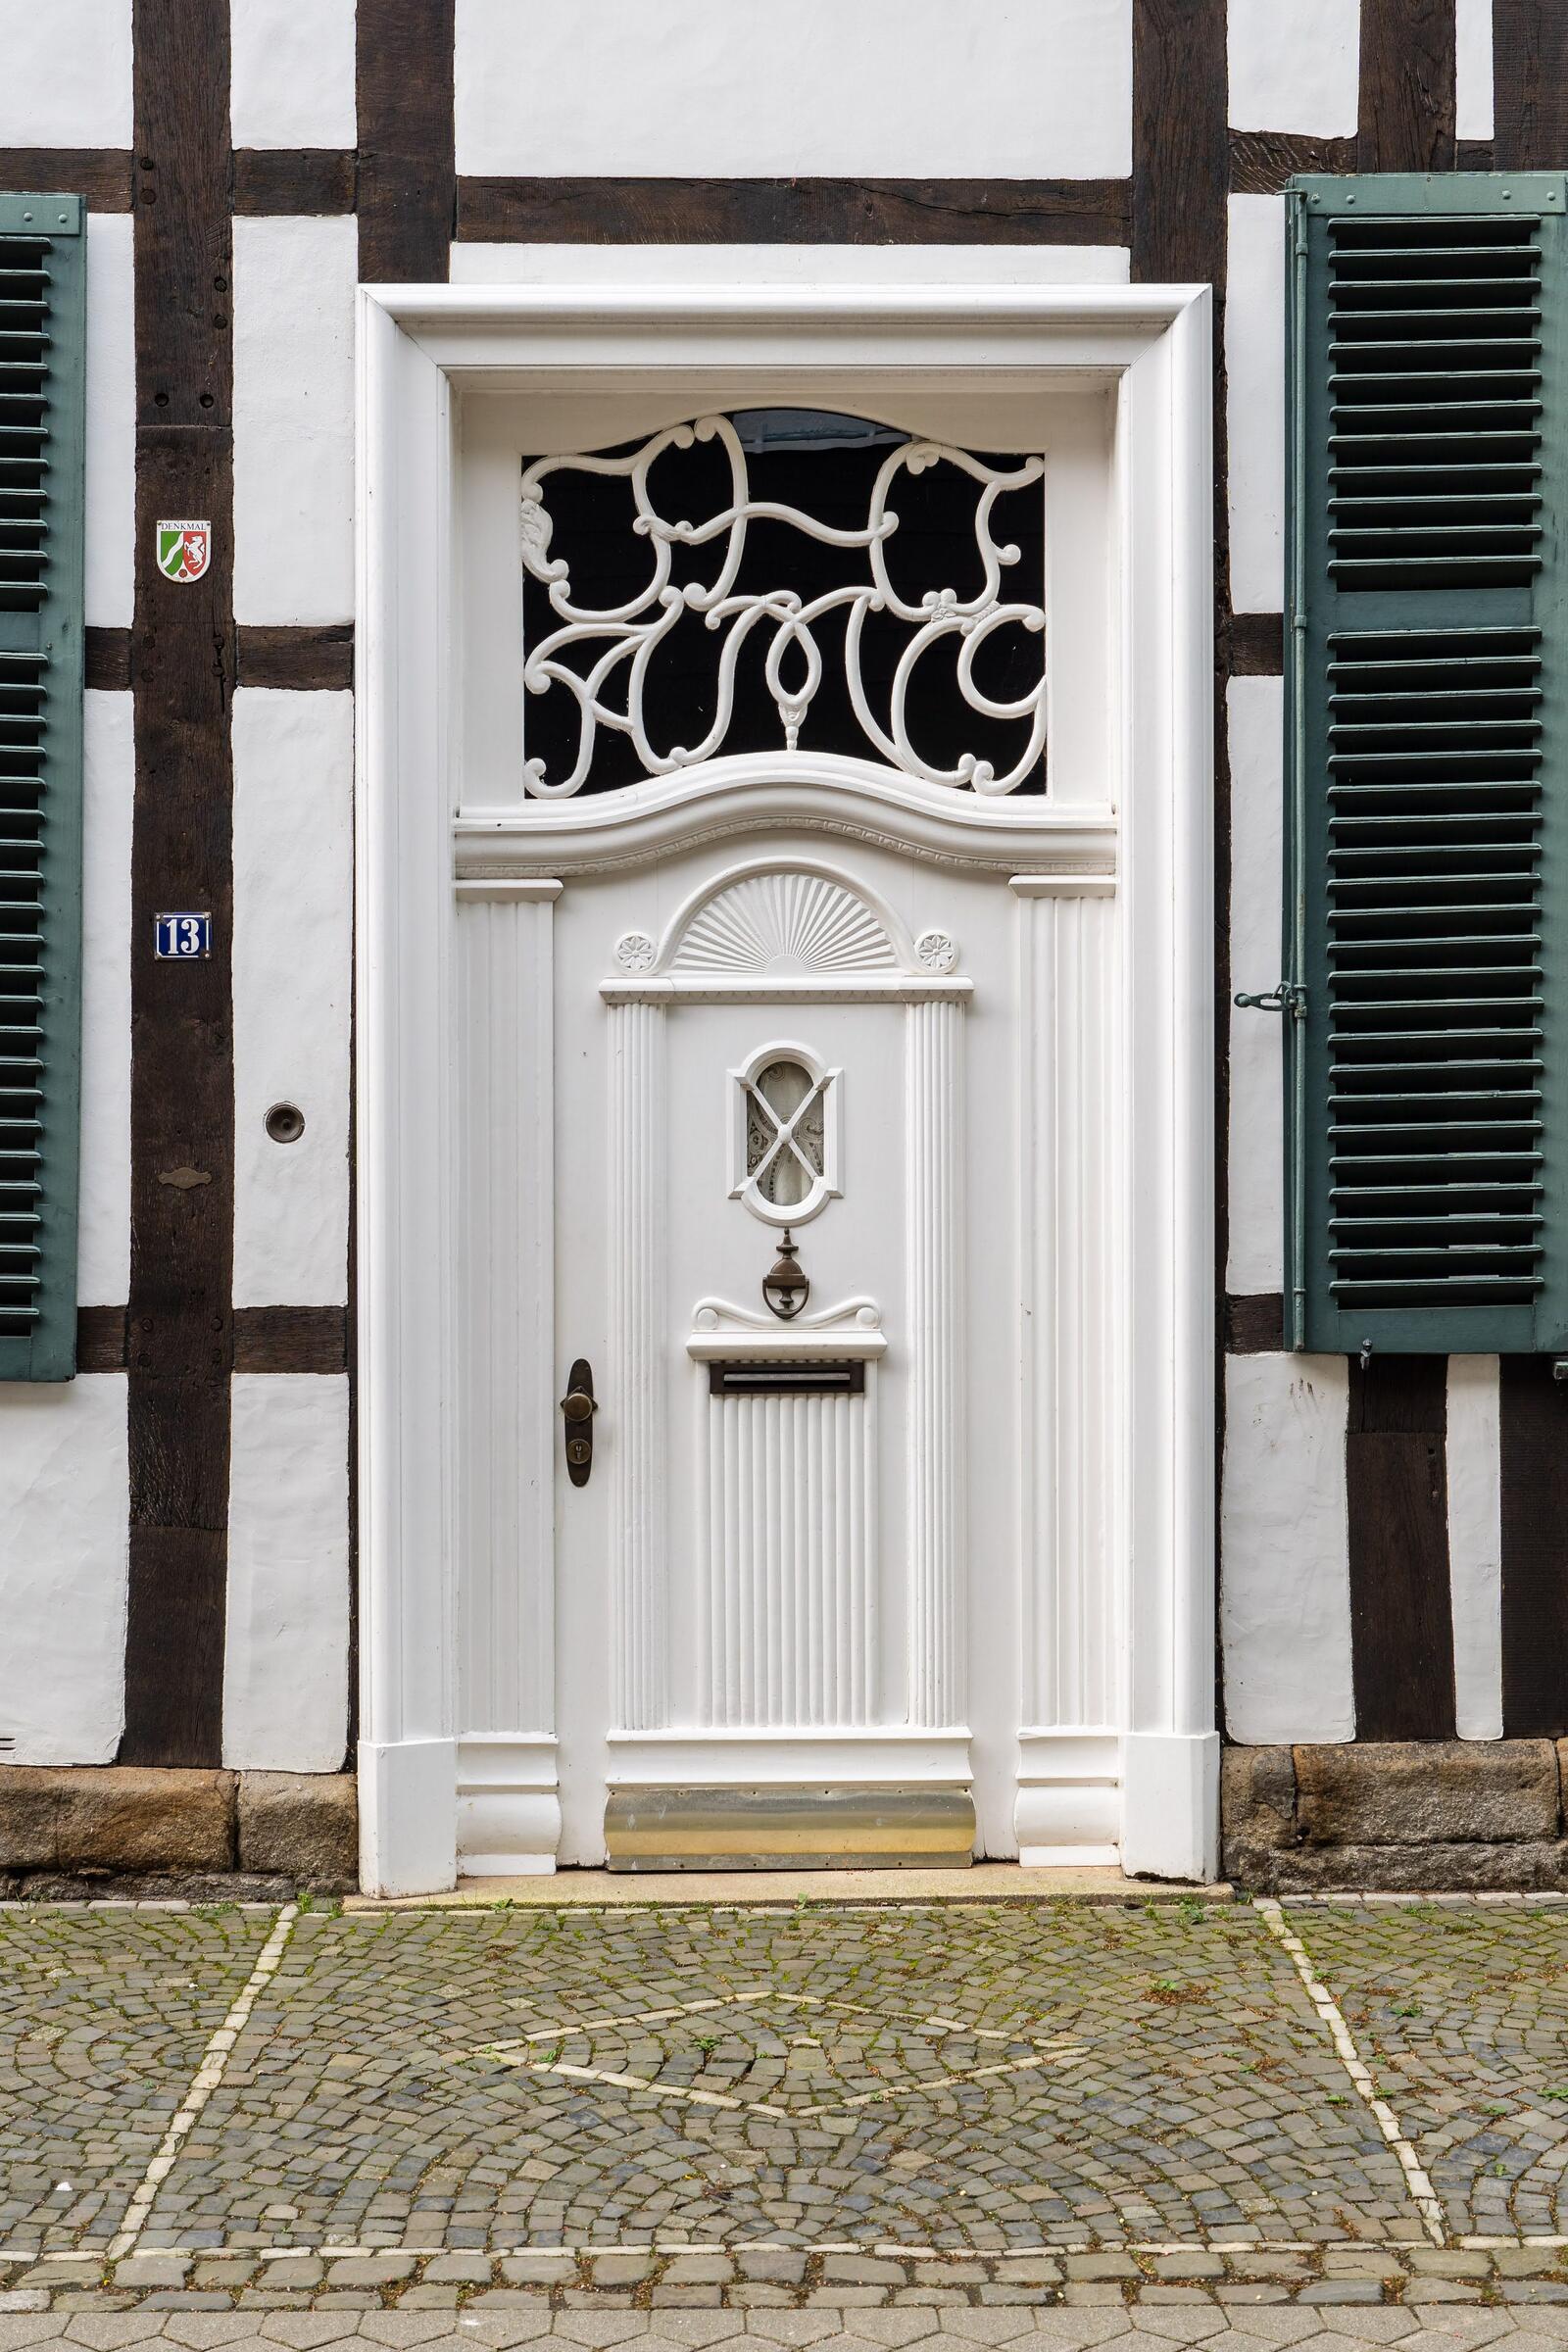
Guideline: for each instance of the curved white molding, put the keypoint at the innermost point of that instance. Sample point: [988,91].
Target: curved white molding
[632,631]
[509,1807]
[723,1332]
[858,800]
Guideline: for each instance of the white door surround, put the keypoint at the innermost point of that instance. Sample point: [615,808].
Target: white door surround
[1152,849]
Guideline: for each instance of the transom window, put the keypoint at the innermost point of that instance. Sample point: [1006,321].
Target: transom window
[781,580]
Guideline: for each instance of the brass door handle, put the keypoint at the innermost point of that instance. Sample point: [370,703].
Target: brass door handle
[577,1410]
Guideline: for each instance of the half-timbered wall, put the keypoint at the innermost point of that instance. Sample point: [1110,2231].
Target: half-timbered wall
[176,1577]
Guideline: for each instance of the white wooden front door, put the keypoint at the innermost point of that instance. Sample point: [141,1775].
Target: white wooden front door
[838,1585]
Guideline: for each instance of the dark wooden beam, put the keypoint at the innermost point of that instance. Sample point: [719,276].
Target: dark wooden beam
[1401,1613]
[310,658]
[1530,84]
[1180,231]
[291,1338]
[1255,1325]
[408,146]
[294,179]
[1262,161]
[1180,146]
[182,1066]
[1532,1414]
[100,176]
[1257,645]
[108,658]
[785,212]
[1406,113]
[100,1339]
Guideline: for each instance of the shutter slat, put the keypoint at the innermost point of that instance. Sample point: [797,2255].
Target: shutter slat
[1425,1156]
[42,322]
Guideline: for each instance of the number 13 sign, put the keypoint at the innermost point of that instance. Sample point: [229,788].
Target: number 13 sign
[181,936]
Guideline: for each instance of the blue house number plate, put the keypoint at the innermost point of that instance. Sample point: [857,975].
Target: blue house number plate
[181,936]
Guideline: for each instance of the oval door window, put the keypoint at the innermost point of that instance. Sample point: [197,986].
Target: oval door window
[786,1135]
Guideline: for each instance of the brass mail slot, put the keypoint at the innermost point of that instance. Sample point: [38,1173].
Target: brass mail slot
[786,1380]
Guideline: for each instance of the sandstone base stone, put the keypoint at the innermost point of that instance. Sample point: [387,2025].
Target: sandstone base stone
[305,1825]
[1428,1792]
[1446,1816]
[116,1817]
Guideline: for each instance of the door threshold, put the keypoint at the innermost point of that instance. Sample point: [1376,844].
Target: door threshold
[738,1889]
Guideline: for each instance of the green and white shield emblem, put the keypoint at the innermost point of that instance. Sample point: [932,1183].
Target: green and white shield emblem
[185,550]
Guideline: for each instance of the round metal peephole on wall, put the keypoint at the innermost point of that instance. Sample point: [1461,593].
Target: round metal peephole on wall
[285,1122]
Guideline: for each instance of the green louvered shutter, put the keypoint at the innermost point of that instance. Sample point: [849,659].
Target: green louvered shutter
[1425,921]
[42,329]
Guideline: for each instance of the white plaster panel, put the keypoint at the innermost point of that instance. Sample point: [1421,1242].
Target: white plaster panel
[1256,1161]
[66,81]
[103,1237]
[1285,1577]
[286,1642]
[111,486]
[293,899]
[787,265]
[294,285]
[1475,1545]
[904,87]
[1294,64]
[291,74]
[64,1563]
[1254,368]
[1473,106]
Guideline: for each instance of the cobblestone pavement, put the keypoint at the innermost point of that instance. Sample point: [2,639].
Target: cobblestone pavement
[1147,2116]
[1139,2330]
[1462,2014]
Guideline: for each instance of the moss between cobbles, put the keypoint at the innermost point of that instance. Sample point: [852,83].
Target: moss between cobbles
[1423,2276]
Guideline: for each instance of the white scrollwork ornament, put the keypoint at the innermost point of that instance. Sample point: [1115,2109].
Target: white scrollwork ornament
[634,951]
[936,951]
[631,632]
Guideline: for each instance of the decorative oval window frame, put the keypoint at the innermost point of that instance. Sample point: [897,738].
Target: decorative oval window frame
[827,1081]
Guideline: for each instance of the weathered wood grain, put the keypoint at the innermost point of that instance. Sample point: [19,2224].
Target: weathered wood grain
[785,212]
[100,1339]
[1257,645]
[304,659]
[1406,117]
[1401,1613]
[108,663]
[182,1073]
[101,176]
[291,1338]
[1262,161]
[1532,1414]
[407,154]
[294,179]
[1530,82]
[1254,1324]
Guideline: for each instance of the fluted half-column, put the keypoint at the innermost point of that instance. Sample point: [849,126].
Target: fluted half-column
[507,1418]
[933,1040]
[633,1411]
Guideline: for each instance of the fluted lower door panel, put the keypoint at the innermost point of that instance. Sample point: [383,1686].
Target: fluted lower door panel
[790,1553]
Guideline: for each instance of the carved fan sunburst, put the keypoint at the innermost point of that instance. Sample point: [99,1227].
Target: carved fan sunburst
[784,925]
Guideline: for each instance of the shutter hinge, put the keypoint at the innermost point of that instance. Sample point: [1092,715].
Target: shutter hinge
[1288,997]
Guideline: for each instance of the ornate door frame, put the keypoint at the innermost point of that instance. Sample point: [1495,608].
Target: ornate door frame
[1153,344]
